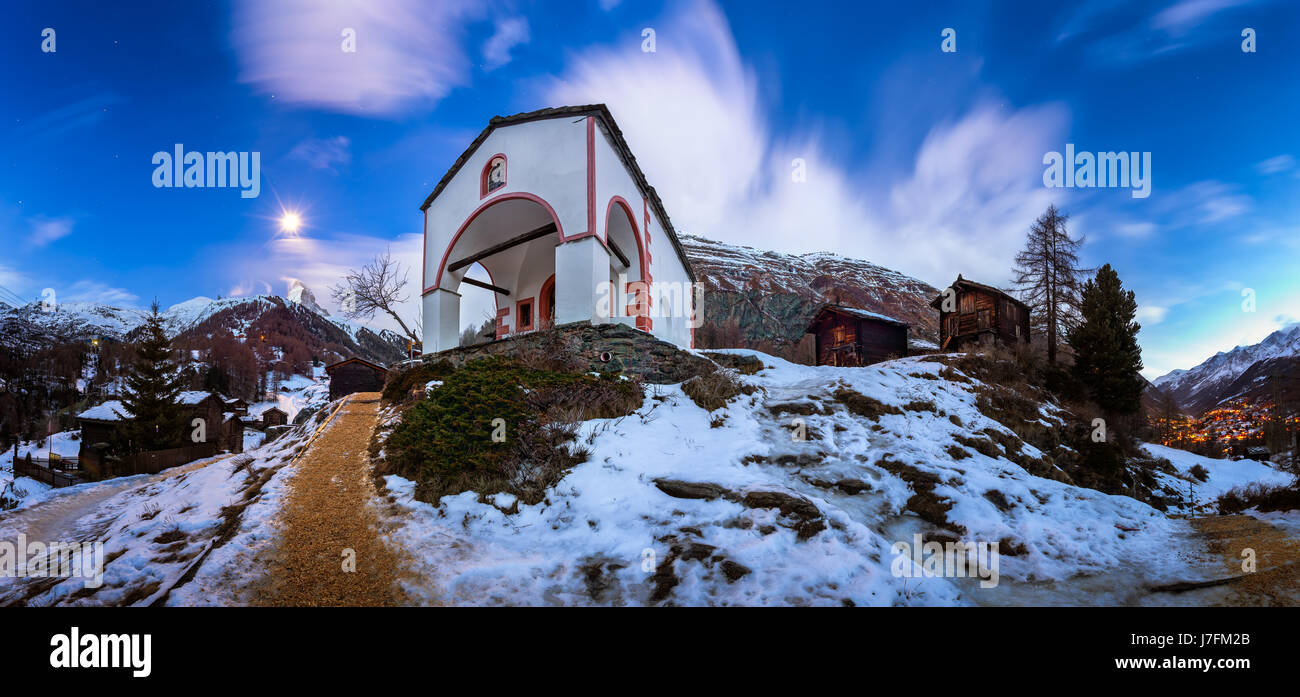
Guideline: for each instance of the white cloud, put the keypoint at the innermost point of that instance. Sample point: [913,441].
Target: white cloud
[1149,315]
[319,264]
[510,32]
[1122,32]
[1135,230]
[90,291]
[608,5]
[690,112]
[1275,165]
[46,230]
[1201,203]
[1182,16]
[323,153]
[408,52]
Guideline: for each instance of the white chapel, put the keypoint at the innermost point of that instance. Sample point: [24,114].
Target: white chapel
[553,205]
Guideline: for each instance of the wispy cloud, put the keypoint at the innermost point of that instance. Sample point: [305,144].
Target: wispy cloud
[85,111]
[1276,165]
[691,114]
[1120,32]
[46,230]
[408,52]
[323,153]
[321,263]
[510,32]
[90,291]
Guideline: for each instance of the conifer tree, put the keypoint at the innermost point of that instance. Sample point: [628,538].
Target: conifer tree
[153,386]
[1047,277]
[1107,358]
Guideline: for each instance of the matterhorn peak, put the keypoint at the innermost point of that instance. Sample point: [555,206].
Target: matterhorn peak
[298,293]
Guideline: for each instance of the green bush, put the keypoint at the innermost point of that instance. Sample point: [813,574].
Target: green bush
[445,444]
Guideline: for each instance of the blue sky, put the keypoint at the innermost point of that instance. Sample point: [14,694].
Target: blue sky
[924,161]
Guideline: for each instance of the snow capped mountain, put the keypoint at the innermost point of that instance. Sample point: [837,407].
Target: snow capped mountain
[35,326]
[302,295]
[763,299]
[1212,381]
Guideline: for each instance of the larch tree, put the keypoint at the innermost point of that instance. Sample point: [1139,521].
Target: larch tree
[1047,276]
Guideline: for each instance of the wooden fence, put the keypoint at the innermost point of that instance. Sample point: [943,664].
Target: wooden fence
[151,462]
[48,475]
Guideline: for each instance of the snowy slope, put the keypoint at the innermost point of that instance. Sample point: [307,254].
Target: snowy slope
[210,515]
[1222,475]
[611,534]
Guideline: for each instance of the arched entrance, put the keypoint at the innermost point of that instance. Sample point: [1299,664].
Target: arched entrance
[626,263]
[512,237]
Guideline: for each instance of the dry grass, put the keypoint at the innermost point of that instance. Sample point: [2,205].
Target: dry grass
[713,390]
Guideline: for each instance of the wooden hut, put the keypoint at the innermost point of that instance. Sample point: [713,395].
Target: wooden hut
[274,416]
[849,336]
[972,312]
[355,375]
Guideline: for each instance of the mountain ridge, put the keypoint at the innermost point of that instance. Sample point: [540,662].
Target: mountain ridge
[1217,378]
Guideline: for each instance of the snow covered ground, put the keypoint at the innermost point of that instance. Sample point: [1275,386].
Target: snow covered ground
[210,517]
[675,506]
[1222,475]
[609,534]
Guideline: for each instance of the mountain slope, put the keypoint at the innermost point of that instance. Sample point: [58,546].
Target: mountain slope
[762,299]
[34,326]
[1220,377]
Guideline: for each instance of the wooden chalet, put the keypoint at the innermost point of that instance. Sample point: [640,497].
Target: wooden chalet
[849,336]
[975,312]
[222,430]
[355,375]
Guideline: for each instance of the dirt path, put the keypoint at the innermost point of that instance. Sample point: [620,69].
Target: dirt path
[329,518]
[1276,578]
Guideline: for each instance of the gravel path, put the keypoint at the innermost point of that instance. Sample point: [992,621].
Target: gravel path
[329,517]
[1276,580]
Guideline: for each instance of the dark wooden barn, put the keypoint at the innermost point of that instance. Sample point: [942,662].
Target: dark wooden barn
[274,417]
[355,375]
[222,430]
[973,312]
[848,336]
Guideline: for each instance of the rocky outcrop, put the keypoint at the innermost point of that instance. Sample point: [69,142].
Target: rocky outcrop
[764,300]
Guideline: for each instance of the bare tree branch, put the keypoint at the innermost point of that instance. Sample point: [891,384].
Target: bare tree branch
[375,287]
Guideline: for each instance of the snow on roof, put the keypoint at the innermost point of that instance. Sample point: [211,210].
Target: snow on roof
[108,411]
[859,312]
[192,397]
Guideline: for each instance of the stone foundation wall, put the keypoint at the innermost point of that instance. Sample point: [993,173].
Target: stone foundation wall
[601,346]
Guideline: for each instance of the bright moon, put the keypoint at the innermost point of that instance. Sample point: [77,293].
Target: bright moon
[290,222]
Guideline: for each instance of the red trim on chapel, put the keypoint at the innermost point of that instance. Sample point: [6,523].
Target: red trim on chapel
[483,176]
[545,310]
[437,279]
[524,321]
[591,175]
